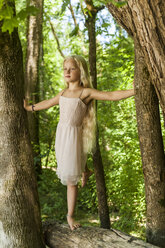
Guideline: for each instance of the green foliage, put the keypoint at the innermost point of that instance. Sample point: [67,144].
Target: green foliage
[12,20]
[52,196]
[9,20]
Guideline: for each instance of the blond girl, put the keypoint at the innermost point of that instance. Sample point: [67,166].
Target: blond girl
[76,128]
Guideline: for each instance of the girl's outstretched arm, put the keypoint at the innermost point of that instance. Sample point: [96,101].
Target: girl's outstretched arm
[110,95]
[42,105]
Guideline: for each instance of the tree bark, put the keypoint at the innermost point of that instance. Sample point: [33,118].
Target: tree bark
[152,150]
[34,38]
[146,28]
[60,236]
[97,160]
[20,223]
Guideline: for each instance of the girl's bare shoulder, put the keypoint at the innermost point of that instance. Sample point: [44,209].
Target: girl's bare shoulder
[86,95]
[60,93]
[87,91]
[55,99]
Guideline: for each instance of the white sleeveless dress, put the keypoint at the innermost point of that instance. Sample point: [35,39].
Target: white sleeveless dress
[68,144]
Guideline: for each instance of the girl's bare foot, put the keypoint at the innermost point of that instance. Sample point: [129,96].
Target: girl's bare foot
[85,176]
[71,222]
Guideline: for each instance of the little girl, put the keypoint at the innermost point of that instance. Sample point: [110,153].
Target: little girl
[75,131]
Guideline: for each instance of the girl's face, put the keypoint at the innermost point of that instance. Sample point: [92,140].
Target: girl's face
[71,71]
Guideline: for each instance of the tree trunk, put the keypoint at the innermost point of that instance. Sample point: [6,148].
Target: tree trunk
[152,150]
[20,223]
[146,28]
[97,160]
[34,38]
[60,236]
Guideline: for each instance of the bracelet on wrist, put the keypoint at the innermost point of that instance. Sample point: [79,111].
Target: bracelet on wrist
[33,108]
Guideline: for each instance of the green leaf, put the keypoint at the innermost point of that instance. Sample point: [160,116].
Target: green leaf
[77,8]
[9,25]
[119,4]
[31,10]
[1,4]
[64,5]
[74,31]
[6,13]
[105,25]
[87,11]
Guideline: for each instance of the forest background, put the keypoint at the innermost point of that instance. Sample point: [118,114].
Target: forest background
[116,120]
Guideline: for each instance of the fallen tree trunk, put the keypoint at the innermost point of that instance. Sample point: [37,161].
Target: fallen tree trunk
[60,236]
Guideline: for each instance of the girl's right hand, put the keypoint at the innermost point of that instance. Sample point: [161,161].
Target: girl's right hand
[26,105]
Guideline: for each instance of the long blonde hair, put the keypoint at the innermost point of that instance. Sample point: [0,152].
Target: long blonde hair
[89,122]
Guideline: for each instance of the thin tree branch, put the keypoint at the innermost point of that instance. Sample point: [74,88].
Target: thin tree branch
[76,25]
[74,19]
[82,9]
[72,12]
[56,38]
